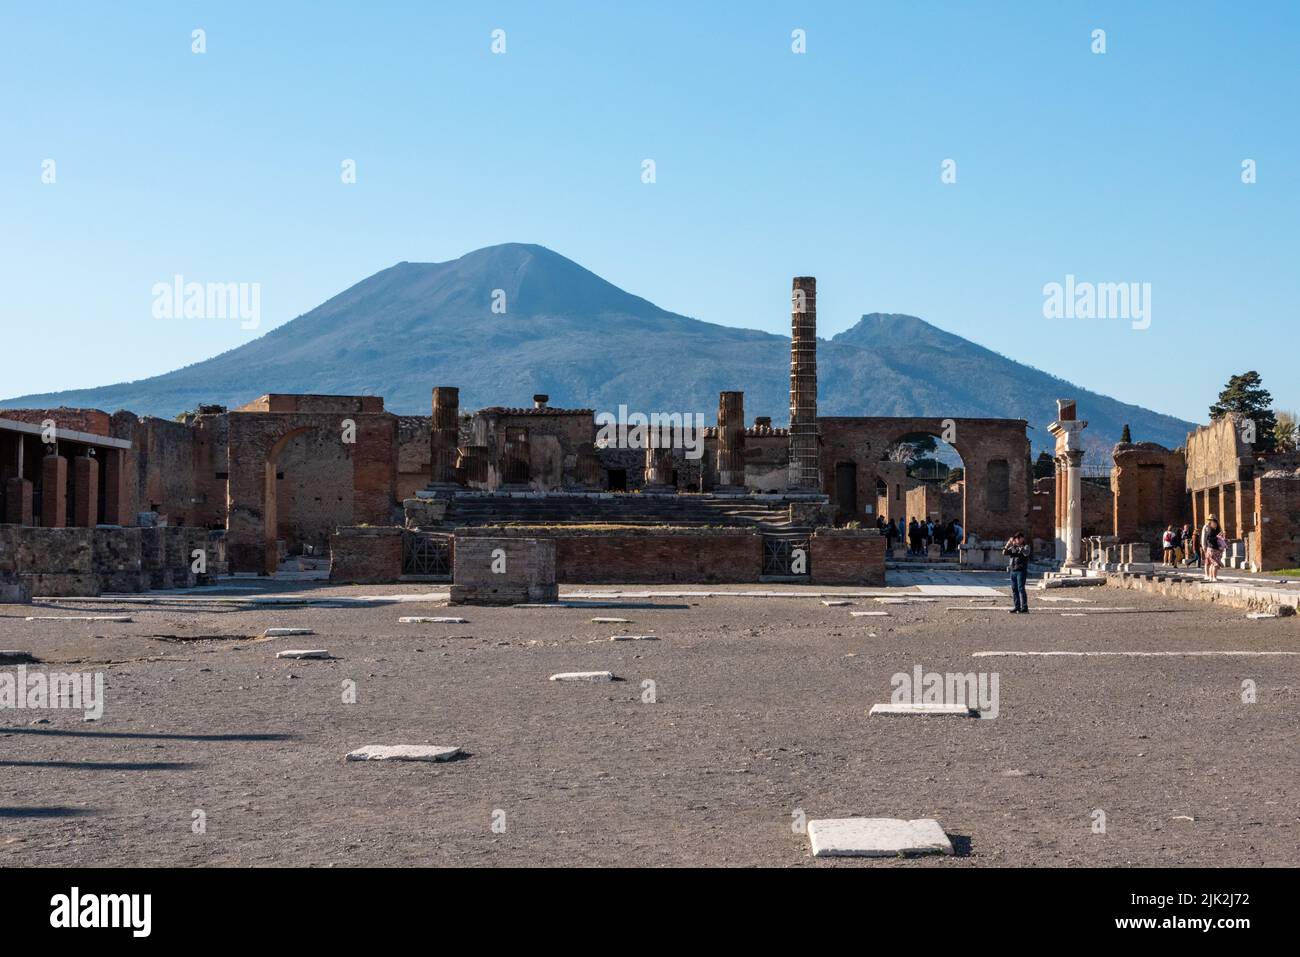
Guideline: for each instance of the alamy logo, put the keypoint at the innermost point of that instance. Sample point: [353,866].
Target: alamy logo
[103,910]
[38,691]
[969,690]
[1098,300]
[659,430]
[179,299]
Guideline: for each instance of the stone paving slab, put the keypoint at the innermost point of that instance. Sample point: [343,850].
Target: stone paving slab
[419,620]
[117,618]
[583,676]
[926,710]
[286,632]
[611,621]
[404,752]
[876,837]
[304,653]
[633,637]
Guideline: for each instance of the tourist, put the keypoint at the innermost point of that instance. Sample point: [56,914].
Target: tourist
[1178,546]
[1018,554]
[1212,546]
[958,532]
[1192,554]
[913,537]
[1167,545]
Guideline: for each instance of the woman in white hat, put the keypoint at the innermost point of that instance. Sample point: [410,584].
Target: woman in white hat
[1212,546]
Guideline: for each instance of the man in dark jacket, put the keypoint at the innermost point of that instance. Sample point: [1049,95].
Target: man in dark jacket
[1018,554]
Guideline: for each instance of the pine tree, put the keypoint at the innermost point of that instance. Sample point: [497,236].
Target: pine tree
[1245,394]
[1127,437]
[1045,467]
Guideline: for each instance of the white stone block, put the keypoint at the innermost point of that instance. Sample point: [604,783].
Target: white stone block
[633,637]
[304,653]
[931,710]
[404,752]
[583,676]
[611,621]
[869,614]
[286,632]
[419,620]
[117,618]
[876,837]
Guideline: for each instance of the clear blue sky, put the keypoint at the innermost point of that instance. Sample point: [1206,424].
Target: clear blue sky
[225,167]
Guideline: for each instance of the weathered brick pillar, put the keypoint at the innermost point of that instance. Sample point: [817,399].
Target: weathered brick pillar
[472,463]
[18,501]
[85,473]
[54,492]
[115,487]
[516,458]
[587,467]
[658,462]
[805,470]
[731,439]
[444,435]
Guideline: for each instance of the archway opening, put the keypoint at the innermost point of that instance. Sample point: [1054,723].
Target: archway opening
[925,493]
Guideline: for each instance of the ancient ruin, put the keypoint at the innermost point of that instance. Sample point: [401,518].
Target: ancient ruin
[630,497]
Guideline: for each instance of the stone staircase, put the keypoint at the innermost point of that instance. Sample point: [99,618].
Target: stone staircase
[771,517]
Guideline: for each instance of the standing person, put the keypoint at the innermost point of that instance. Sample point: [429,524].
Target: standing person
[1167,545]
[1191,555]
[1212,545]
[1178,546]
[913,536]
[1018,554]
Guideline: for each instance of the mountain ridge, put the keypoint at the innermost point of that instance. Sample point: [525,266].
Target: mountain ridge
[587,343]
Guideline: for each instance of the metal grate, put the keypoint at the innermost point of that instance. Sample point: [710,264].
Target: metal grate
[781,557]
[428,556]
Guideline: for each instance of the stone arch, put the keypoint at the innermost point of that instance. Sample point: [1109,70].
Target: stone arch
[977,441]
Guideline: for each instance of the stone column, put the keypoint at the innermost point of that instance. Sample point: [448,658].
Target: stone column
[54,492]
[1059,502]
[444,436]
[805,467]
[1068,430]
[1074,507]
[85,473]
[18,501]
[731,441]
[658,463]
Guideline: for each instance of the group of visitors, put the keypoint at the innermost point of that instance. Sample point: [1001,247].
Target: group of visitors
[920,535]
[1202,549]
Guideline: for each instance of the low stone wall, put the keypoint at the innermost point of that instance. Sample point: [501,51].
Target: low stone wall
[847,556]
[85,562]
[503,570]
[642,555]
[366,555]
[1279,601]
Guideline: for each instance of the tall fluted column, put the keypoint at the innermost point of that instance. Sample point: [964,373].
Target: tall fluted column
[658,462]
[805,469]
[731,440]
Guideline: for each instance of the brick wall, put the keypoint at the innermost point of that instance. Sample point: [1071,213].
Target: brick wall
[630,555]
[366,556]
[68,562]
[1277,541]
[844,556]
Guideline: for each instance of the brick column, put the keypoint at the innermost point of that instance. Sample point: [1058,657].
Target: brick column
[54,492]
[18,501]
[85,473]
[115,487]
[444,435]
[731,440]
[805,467]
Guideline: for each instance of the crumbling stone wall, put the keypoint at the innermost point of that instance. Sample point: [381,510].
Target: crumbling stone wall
[1149,492]
[994,452]
[81,562]
[413,454]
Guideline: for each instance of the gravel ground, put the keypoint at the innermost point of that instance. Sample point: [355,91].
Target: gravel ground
[760,712]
